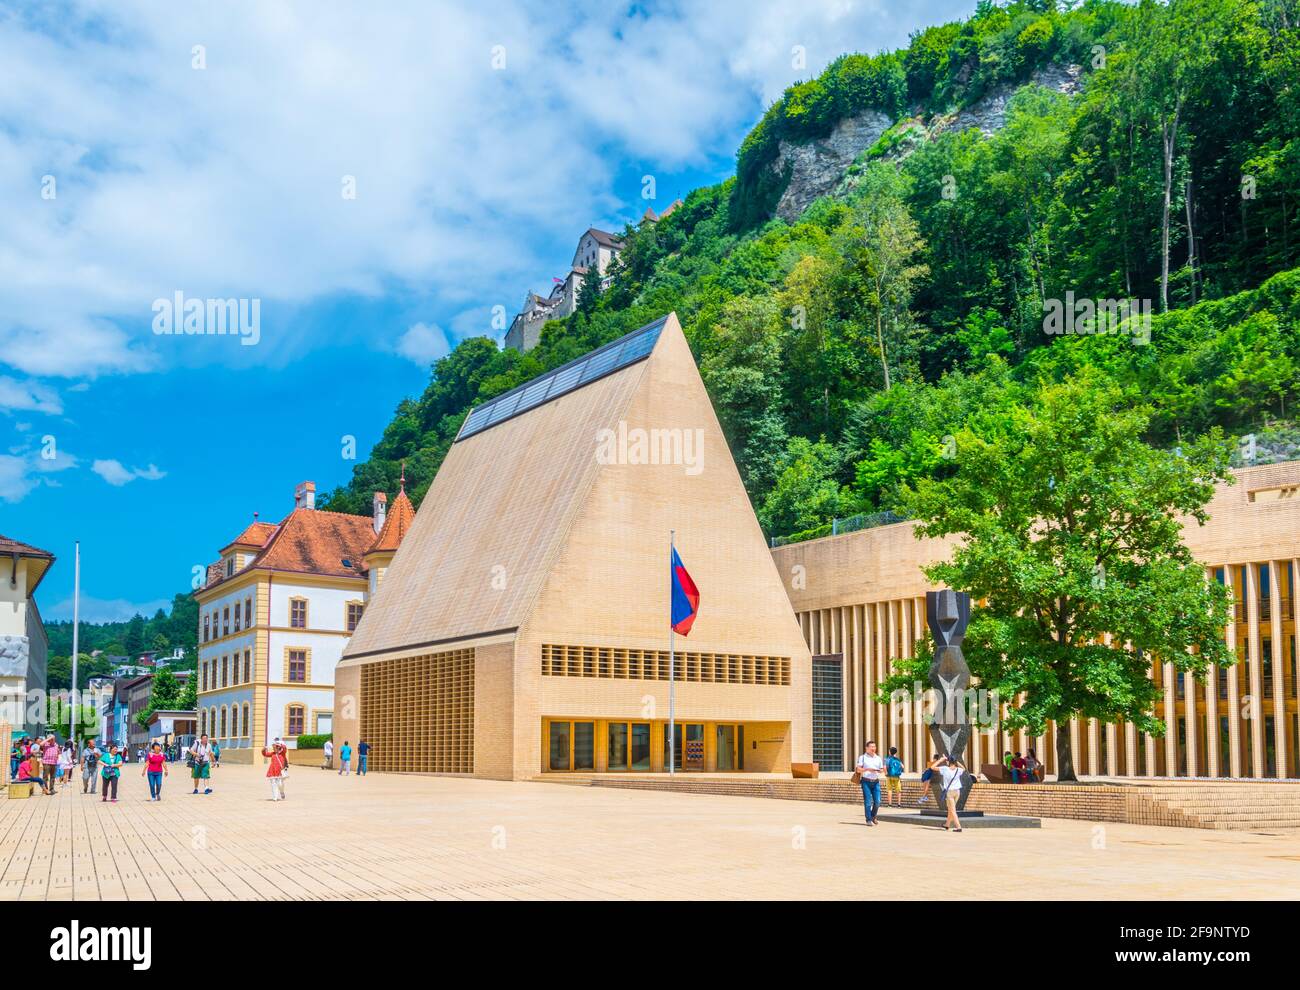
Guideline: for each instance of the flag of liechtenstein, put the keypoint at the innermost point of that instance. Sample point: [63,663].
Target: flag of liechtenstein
[686,597]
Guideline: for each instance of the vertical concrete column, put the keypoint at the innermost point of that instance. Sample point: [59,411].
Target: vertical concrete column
[1112,749]
[1255,667]
[853,667]
[1280,728]
[1094,748]
[1234,701]
[1212,707]
[868,680]
[1193,727]
[882,645]
[1170,717]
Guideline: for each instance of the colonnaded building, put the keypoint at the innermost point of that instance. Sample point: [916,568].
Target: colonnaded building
[861,602]
[523,625]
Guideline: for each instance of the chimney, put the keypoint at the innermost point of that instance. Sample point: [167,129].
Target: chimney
[380,510]
[304,496]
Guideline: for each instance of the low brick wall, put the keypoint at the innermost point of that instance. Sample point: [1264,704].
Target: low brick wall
[1088,802]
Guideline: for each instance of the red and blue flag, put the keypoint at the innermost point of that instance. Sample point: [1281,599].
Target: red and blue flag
[686,597]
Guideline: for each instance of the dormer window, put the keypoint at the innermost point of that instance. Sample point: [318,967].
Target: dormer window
[230,566]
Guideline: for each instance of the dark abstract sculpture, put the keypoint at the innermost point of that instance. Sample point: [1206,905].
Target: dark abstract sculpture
[947,613]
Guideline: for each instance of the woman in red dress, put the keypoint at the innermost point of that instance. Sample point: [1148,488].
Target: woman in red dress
[278,770]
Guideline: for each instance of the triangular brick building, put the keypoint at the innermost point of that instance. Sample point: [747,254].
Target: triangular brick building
[522,626]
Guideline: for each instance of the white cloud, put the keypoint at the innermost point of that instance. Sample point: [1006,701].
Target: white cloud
[226,181]
[104,609]
[26,466]
[15,478]
[423,344]
[116,474]
[28,396]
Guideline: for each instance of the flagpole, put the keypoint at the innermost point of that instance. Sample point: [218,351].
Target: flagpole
[672,661]
[76,596]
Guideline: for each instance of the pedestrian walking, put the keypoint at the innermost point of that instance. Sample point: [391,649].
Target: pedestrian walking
[90,755]
[363,753]
[200,761]
[111,771]
[278,770]
[216,754]
[66,763]
[329,756]
[50,763]
[869,767]
[155,767]
[345,759]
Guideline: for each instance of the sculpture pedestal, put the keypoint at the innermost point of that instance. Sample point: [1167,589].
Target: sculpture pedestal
[940,813]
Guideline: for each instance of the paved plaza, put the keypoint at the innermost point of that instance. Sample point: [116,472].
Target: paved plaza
[398,837]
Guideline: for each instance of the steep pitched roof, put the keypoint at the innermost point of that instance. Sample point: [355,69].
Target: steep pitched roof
[532,513]
[317,542]
[400,516]
[8,547]
[44,560]
[500,504]
[604,238]
[310,541]
[255,535]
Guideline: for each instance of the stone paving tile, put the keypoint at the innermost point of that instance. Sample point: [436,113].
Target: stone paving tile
[397,837]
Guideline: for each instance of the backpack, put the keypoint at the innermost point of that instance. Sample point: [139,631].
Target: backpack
[895,767]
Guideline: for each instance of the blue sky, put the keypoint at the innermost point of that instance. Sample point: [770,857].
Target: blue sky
[147,150]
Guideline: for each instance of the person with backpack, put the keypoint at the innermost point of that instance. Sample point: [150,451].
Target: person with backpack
[893,779]
[200,763]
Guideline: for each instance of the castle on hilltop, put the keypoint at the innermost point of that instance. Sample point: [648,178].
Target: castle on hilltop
[596,249]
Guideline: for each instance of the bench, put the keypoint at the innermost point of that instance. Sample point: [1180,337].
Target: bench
[21,789]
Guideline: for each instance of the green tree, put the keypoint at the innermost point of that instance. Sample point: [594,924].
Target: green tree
[164,693]
[806,493]
[888,259]
[1071,534]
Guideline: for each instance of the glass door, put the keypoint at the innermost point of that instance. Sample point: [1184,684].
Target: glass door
[629,746]
[688,745]
[726,747]
[560,746]
[572,745]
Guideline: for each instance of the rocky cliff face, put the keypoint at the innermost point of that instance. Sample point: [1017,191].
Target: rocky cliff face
[816,167]
[989,113]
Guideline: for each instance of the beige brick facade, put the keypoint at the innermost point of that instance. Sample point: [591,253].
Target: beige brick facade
[528,541]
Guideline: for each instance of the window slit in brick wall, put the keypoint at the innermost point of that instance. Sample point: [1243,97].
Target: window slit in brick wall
[632,664]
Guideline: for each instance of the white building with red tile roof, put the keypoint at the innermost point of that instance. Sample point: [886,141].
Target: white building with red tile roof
[275,612]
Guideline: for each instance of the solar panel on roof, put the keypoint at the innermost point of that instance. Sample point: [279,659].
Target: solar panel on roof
[614,356]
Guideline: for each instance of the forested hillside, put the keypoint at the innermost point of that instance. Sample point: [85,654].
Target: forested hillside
[841,349]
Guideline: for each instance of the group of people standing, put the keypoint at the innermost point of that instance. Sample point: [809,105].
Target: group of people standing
[43,762]
[871,767]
